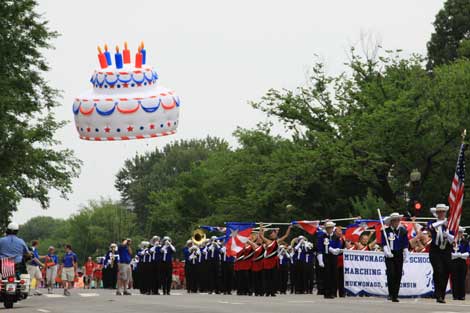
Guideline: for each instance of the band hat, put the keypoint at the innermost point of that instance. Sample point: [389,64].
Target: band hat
[329,224]
[13,226]
[461,229]
[441,207]
[189,241]
[392,217]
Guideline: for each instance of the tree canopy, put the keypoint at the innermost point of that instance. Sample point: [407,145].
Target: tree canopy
[31,162]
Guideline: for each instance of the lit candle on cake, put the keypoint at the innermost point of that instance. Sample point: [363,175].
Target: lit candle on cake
[127,54]
[138,59]
[144,53]
[118,58]
[102,58]
[107,55]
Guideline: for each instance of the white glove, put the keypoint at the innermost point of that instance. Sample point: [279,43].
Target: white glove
[464,255]
[406,255]
[449,236]
[320,260]
[439,223]
[456,255]
[333,251]
[387,252]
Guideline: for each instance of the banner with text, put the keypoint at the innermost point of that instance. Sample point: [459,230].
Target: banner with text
[365,273]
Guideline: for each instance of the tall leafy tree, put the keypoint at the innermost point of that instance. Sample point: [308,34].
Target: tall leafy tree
[381,119]
[155,171]
[452,28]
[31,163]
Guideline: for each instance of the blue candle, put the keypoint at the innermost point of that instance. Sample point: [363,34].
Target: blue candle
[144,53]
[118,58]
[107,55]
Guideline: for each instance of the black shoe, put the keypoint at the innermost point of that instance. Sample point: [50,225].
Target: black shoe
[395,300]
[440,300]
[273,295]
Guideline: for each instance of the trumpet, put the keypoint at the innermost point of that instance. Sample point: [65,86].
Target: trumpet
[199,236]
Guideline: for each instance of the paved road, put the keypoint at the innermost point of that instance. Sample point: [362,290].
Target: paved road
[105,301]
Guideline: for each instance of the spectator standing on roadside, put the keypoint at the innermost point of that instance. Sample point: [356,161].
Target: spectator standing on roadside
[89,267]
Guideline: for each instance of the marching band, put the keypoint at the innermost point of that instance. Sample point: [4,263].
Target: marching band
[268,265]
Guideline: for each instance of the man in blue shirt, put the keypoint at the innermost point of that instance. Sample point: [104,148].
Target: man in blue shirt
[33,267]
[395,250]
[69,269]
[13,247]
[125,272]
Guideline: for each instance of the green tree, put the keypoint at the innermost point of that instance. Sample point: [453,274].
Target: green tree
[31,162]
[155,171]
[452,27]
[381,119]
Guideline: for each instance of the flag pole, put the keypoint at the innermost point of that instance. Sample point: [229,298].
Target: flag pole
[383,227]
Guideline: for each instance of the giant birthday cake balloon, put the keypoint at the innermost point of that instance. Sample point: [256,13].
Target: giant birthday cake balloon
[126,101]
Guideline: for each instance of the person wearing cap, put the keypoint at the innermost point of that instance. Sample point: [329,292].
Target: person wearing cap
[187,264]
[328,249]
[213,258]
[395,247]
[440,252]
[110,267]
[459,265]
[11,246]
[167,266]
[125,272]
[227,263]
[284,262]
[155,266]
[144,268]
[51,263]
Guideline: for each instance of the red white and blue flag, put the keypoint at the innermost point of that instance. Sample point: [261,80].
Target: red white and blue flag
[8,267]
[354,231]
[236,236]
[456,192]
[310,227]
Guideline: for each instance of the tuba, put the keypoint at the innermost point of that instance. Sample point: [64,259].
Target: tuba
[199,236]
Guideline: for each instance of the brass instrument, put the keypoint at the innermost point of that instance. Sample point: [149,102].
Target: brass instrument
[199,236]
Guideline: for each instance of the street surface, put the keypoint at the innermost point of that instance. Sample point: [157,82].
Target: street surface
[106,301]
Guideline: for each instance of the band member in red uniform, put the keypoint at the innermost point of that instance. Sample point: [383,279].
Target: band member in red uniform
[257,266]
[270,262]
[245,270]
[237,271]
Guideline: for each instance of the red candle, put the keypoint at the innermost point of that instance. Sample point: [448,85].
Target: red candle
[102,58]
[138,59]
[126,54]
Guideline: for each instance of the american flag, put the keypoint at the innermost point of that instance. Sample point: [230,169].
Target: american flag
[456,192]
[8,267]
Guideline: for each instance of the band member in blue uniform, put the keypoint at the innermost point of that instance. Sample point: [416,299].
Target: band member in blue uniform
[440,251]
[167,251]
[395,251]
[110,267]
[187,265]
[155,265]
[213,257]
[144,268]
[459,265]
[284,263]
[227,271]
[328,249]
